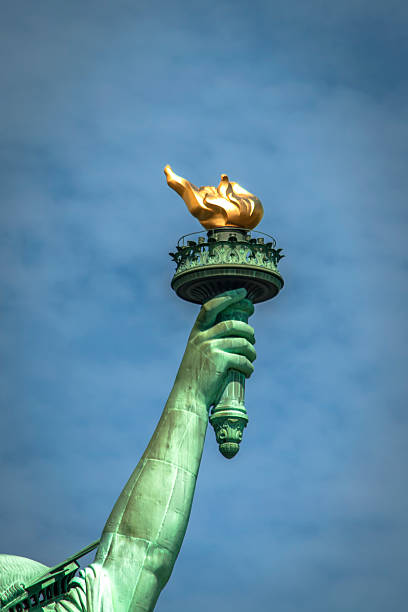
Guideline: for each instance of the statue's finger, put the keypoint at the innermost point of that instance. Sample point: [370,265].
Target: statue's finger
[226,329]
[239,346]
[211,309]
[240,363]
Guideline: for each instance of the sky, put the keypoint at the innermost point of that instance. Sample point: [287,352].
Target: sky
[303,104]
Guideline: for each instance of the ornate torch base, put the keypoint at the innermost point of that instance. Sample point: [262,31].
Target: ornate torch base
[228,258]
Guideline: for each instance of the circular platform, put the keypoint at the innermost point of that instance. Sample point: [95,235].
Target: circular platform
[201,284]
[227,258]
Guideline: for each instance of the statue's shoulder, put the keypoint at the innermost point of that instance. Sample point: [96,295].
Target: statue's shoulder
[15,573]
[27,584]
[91,590]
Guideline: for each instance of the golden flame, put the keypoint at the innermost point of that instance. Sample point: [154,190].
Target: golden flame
[228,205]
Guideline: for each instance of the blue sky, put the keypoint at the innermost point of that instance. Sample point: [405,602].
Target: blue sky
[305,105]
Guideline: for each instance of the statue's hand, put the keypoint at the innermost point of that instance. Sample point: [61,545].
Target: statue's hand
[213,349]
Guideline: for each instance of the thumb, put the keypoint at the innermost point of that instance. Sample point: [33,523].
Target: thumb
[211,309]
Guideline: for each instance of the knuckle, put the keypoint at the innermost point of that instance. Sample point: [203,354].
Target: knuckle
[248,348]
[247,368]
[222,328]
[207,346]
[244,329]
[217,329]
[243,362]
[228,325]
[251,350]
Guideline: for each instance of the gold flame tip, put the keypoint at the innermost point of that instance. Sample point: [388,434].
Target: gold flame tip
[228,205]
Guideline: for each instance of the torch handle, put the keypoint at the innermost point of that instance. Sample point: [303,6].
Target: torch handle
[229,416]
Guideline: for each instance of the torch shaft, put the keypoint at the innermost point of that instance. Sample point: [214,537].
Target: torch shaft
[229,415]
[233,395]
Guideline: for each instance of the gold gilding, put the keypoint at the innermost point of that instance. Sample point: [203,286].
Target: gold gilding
[228,205]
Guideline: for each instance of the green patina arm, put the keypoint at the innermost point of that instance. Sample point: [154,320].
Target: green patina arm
[145,530]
